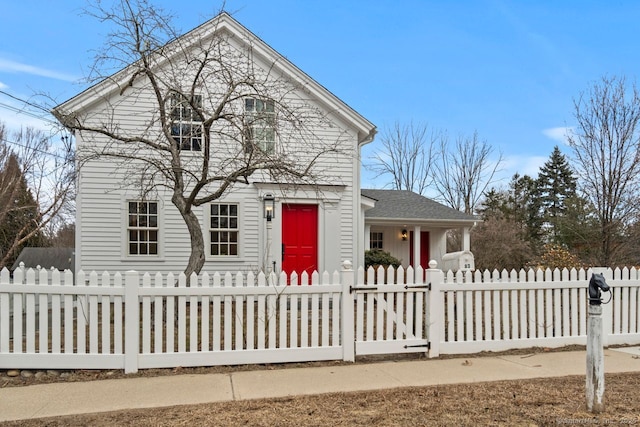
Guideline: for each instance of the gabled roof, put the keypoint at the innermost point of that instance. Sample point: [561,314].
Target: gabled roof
[224,22]
[409,206]
[58,258]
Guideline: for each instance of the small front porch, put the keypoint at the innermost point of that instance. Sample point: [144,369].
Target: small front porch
[412,227]
[413,244]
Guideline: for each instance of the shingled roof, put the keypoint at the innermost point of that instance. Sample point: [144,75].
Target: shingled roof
[58,258]
[407,205]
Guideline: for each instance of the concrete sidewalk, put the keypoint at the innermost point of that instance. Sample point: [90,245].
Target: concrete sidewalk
[49,400]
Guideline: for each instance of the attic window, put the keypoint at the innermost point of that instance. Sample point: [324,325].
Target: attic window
[186,122]
[260,125]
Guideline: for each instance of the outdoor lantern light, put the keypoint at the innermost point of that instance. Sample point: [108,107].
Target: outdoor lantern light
[269,206]
[404,234]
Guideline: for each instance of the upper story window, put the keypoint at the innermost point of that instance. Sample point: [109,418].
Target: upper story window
[260,125]
[375,240]
[142,228]
[224,229]
[186,123]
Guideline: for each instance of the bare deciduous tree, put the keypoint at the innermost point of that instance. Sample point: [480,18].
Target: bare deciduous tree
[36,187]
[498,243]
[606,144]
[463,172]
[236,107]
[406,156]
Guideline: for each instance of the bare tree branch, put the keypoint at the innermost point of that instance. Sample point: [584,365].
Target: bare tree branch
[405,156]
[606,146]
[210,76]
[465,171]
[37,181]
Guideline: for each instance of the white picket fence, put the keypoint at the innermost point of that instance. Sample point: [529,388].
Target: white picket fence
[136,321]
[496,311]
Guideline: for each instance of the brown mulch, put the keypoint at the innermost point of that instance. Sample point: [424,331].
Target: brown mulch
[551,401]
[540,402]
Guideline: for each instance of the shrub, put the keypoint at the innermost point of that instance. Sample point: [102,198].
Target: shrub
[375,257]
[556,256]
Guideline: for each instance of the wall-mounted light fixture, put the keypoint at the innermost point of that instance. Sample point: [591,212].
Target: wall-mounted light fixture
[269,202]
[404,234]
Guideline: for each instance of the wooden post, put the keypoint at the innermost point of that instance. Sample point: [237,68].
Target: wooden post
[595,352]
[132,322]
[347,278]
[435,309]
[595,360]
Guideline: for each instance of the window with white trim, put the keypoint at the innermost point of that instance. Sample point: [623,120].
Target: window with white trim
[142,228]
[375,240]
[186,122]
[224,229]
[260,125]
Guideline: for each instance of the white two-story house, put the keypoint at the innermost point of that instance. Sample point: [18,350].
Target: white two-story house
[266,160]
[216,98]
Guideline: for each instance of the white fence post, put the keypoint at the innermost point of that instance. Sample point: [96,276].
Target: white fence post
[347,278]
[435,309]
[132,322]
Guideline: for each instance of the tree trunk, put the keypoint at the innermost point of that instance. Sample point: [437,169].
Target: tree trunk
[196,259]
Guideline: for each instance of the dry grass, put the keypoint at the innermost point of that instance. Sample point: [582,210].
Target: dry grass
[555,401]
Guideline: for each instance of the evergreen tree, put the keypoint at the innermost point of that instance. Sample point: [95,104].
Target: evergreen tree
[577,229]
[19,212]
[555,184]
[524,208]
[493,205]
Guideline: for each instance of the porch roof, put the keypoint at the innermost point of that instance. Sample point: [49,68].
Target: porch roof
[407,205]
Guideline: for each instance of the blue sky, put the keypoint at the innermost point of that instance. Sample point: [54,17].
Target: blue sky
[509,70]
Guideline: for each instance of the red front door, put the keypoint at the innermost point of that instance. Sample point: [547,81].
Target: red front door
[424,249]
[299,238]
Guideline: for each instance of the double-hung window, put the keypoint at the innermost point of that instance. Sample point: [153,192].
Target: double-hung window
[260,125]
[186,122]
[224,229]
[375,240]
[142,228]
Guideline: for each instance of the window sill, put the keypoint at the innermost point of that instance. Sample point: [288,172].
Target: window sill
[224,259]
[142,258]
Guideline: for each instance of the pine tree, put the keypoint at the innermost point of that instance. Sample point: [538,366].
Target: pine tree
[493,205]
[524,208]
[19,212]
[556,183]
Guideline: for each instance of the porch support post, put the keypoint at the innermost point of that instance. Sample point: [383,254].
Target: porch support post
[416,247]
[367,237]
[466,239]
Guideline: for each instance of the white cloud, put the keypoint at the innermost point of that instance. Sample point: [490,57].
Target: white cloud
[522,165]
[14,122]
[558,133]
[3,86]
[16,67]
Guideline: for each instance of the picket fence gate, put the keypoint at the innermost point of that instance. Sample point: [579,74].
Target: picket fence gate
[131,321]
